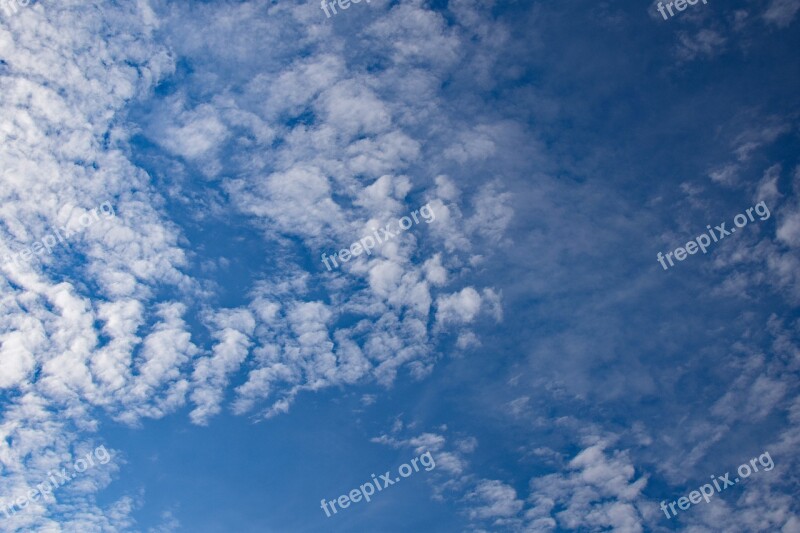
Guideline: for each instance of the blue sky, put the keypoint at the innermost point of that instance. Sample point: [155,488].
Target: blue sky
[526,336]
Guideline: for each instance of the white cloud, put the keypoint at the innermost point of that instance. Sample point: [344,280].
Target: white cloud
[781,12]
[16,361]
[494,499]
[596,491]
[706,42]
[200,132]
[211,374]
[323,149]
[461,307]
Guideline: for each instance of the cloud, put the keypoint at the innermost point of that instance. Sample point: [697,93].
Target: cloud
[705,43]
[200,132]
[461,307]
[211,374]
[597,491]
[781,12]
[494,499]
[300,135]
[73,321]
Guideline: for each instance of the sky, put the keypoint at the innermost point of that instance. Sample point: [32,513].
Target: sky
[498,266]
